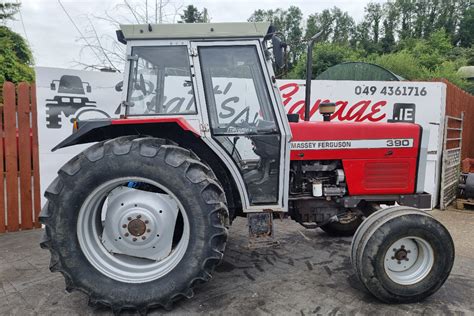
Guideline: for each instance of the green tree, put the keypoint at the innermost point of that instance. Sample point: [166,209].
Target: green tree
[338,26]
[320,22]
[416,39]
[362,38]
[390,21]
[294,32]
[466,28]
[406,11]
[16,58]
[8,10]
[192,15]
[343,24]
[373,17]
[288,22]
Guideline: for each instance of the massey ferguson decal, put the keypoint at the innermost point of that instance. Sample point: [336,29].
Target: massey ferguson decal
[352,144]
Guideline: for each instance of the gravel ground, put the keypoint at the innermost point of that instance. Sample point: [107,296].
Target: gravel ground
[309,273]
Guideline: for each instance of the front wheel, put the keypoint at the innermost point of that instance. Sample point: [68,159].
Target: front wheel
[135,223]
[402,255]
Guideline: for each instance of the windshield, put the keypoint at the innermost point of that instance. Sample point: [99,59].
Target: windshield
[160,81]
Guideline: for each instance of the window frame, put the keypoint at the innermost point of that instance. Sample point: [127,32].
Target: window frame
[259,96]
[129,71]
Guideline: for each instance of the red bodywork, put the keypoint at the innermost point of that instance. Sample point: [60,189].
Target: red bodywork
[367,170]
[178,120]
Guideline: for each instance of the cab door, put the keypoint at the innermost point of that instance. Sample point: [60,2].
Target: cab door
[244,121]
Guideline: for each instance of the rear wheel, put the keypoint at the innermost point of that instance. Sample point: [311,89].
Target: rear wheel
[135,223]
[402,255]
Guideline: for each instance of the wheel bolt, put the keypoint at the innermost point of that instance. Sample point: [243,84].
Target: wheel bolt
[126,234]
[134,239]
[399,262]
[148,230]
[146,222]
[139,216]
[143,237]
[124,225]
[129,218]
[402,246]
[395,249]
[393,258]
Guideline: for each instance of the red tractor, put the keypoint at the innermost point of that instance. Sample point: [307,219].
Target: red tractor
[140,217]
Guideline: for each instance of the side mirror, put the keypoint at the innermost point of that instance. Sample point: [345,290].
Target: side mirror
[88,88]
[53,86]
[278,51]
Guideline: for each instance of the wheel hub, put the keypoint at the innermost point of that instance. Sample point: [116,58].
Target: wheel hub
[408,260]
[401,254]
[136,227]
[139,223]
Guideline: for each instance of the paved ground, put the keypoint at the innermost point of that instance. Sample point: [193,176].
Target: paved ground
[309,273]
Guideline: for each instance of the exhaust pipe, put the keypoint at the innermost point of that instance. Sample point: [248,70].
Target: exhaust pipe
[309,72]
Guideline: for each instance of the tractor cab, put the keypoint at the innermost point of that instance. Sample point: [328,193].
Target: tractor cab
[219,79]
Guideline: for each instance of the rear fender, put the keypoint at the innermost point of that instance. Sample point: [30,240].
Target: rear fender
[174,129]
[101,129]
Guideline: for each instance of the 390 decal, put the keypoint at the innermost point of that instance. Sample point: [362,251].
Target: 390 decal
[391,90]
[399,142]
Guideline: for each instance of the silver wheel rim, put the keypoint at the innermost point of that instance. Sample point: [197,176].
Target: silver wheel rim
[409,260]
[125,261]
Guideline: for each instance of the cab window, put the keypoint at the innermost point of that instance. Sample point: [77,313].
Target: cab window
[160,81]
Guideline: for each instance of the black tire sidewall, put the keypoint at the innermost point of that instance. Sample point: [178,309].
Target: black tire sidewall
[77,189]
[411,225]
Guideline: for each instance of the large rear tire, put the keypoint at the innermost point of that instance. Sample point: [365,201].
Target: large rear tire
[143,179]
[402,255]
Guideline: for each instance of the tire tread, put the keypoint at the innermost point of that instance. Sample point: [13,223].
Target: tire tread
[196,171]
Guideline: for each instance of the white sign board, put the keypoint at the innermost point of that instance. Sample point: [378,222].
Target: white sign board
[63,94]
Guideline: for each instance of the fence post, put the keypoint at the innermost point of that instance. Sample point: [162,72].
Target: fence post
[24,154]
[35,156]
[2,178]
[11,157]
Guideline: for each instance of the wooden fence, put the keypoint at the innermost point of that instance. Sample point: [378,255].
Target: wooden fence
[20,185]
[459,101]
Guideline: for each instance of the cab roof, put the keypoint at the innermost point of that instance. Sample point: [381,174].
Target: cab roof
[193,30]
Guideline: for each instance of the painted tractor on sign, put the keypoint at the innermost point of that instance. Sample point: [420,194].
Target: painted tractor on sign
[70,101]
[140,217]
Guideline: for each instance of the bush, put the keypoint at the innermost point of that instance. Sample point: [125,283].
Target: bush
[401,63]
